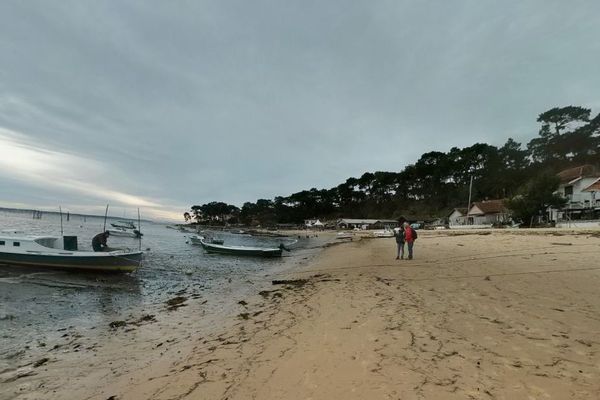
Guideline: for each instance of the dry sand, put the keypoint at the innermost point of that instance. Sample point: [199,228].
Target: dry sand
[502,315]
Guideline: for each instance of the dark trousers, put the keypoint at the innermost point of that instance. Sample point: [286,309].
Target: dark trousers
[400,249]
[410,249]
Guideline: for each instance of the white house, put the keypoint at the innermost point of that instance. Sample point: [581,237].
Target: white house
[457,217]
[580,186]
[482,214]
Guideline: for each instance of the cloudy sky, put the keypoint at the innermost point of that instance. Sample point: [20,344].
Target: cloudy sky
[164,104]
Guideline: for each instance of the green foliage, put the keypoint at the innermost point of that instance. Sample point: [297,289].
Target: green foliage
[564,136]
[534,198]
[438,181]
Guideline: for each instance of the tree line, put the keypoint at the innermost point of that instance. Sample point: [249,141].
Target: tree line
[439,181]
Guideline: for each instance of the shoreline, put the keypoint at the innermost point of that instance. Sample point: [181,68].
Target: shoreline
[493,315]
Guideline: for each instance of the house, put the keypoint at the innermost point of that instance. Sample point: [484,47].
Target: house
[351,223]
[457,217]
[481,214]
[487,212]
[580,186]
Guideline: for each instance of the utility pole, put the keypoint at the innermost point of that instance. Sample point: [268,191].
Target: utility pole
[469,205]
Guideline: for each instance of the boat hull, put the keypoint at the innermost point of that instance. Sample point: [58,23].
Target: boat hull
[123,233]
[118,262]
[251,252]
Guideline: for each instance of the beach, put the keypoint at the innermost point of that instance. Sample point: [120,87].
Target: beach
[482,315]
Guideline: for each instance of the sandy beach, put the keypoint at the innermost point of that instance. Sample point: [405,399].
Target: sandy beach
[476,315]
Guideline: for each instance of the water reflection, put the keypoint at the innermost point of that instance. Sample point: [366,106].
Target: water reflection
[36,305]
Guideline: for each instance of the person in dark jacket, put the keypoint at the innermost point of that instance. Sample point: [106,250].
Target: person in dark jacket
[399,235]
[99,241]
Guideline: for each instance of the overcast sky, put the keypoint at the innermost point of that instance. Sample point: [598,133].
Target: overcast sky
[165,104]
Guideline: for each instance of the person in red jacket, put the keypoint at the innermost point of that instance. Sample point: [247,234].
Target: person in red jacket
[410,235]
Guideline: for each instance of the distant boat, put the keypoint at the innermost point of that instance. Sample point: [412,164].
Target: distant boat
[61,252]
[132,233]
[344,235]
[385,233]
[197,239]
[123,224]
[242,250]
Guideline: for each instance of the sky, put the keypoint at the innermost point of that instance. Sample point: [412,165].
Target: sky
[165,104]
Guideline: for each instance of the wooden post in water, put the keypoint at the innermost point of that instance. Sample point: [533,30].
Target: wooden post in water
[105,215]
[140,229]
[61,222]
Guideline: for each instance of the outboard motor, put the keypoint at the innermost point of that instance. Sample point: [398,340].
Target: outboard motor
[282,247]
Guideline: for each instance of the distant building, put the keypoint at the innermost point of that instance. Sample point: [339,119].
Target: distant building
[351,223]
[488,212]
[457,217]
[580,186]
[314,224]
[481,214]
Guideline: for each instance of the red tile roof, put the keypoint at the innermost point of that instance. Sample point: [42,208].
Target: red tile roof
[491,206]
[594,187]
[581,171]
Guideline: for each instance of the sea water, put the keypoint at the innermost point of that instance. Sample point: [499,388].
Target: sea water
[36,305]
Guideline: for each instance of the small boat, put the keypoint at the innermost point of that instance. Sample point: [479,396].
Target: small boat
[125,228]
[197,239]
[242,250]
[344,235]
[123,224]
[61,252]
[385,233]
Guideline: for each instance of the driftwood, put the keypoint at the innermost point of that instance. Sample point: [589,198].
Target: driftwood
[293,282]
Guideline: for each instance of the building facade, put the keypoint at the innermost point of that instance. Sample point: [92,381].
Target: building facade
[581,187]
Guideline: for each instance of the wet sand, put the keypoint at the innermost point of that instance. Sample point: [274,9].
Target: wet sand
[490,315]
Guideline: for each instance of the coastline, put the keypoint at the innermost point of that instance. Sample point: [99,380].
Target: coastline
[487,314]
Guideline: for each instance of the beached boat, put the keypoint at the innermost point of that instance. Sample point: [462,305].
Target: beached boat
[61,252]
[197,239]
[385,233]
[344,235]
[242,250]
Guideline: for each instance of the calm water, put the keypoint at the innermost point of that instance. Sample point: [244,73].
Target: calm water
[35,305]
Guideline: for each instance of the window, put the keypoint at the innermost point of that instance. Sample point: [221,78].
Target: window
[568,190]
[16,244]
[2,243]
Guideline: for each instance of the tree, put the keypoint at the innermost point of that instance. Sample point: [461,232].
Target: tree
[438,181]
[514,169]
[535,197]
[557,137]
[556,119]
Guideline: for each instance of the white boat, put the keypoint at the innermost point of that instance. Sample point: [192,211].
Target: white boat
[132,233]
[344,235]
[385,233]
[124,224]
[197,239]
[62,252]
[242,250]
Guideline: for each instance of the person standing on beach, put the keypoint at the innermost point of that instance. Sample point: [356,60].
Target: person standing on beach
[399,235]
[410,235]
